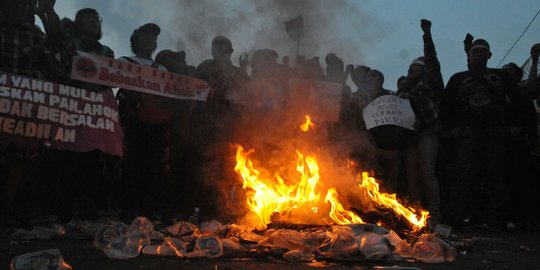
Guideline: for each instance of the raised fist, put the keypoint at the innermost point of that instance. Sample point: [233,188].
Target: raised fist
[425,25]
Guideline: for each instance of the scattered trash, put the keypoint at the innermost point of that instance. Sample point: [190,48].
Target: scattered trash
[527,249]
[395,267]
[210,226]
[207,246]
[213,240]
[40,232]
[108,232]
[443,230]
[50,259]
[299,255]
[119,244]
[431,249]
[373,246]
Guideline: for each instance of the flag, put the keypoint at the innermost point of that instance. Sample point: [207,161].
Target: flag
[295,27]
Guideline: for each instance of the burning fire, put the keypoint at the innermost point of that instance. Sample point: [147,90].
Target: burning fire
[267,195]
[307,125]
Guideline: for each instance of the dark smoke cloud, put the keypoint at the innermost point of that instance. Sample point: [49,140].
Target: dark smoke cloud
[329,26]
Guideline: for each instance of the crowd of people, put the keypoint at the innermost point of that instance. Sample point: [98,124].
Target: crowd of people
[471,158]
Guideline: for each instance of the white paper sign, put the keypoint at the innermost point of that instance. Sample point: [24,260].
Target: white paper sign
[389,110]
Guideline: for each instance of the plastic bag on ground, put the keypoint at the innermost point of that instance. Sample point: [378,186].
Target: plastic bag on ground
[183,230]
[50,259]
[108,232]
[207,246]
[169,247]
[401,247]
[231,246]
[210,226]
[129,244]
[342,244]
[299,255]
[373,246]
[288,239]
[431,249]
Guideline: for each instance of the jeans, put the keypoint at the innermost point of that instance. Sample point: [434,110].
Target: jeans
[479,155]
[422,184]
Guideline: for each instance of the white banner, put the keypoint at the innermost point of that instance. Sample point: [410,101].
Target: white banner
[107,71]
[389,110]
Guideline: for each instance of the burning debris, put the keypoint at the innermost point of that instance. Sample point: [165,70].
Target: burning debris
[306,198]
[294,214]
[353,242]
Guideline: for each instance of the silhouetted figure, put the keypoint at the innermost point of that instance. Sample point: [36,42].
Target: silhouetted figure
[422,87]
[473,113]
[146,123]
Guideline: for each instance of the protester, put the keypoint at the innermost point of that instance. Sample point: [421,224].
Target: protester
[533,84]
[222,74]
[472,112]
[379,146]
[335,72]
[24,51]
[84,179]
[422,87]
[522,136]
[180,183]
[146,121]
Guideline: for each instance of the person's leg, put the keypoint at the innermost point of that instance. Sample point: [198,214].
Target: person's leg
[496,194]
[426,149]
[414,189]
[464,181]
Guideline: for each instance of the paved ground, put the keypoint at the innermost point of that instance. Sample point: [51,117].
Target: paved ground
[480,250]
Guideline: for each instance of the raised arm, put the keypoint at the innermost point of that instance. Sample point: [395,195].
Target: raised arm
[533,89]
[433,68]
[51,23]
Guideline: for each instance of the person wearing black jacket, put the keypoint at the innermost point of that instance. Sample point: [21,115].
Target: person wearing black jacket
[474,109]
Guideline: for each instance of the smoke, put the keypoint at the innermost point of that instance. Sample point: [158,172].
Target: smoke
[341,27]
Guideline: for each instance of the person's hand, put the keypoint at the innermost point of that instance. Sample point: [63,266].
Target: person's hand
[535,51]
[467,42]
[45,6]
[244,61]
[349,68]
[358,73]
[425,25]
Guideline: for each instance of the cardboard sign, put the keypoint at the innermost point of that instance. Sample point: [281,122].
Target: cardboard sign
[389,110]
[34,112]
[110,72]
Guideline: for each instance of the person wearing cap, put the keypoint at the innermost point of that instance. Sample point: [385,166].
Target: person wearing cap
[146,122]
[422,87]
[473,111]
[523,134]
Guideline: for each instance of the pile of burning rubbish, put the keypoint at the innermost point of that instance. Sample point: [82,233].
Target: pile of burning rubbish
[353,242]
[301,211]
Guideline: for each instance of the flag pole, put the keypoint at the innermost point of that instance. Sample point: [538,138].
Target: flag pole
[298,46]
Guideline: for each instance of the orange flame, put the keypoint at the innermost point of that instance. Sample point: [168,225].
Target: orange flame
[390,201]
[269,195]
[307,124]
[338,213]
